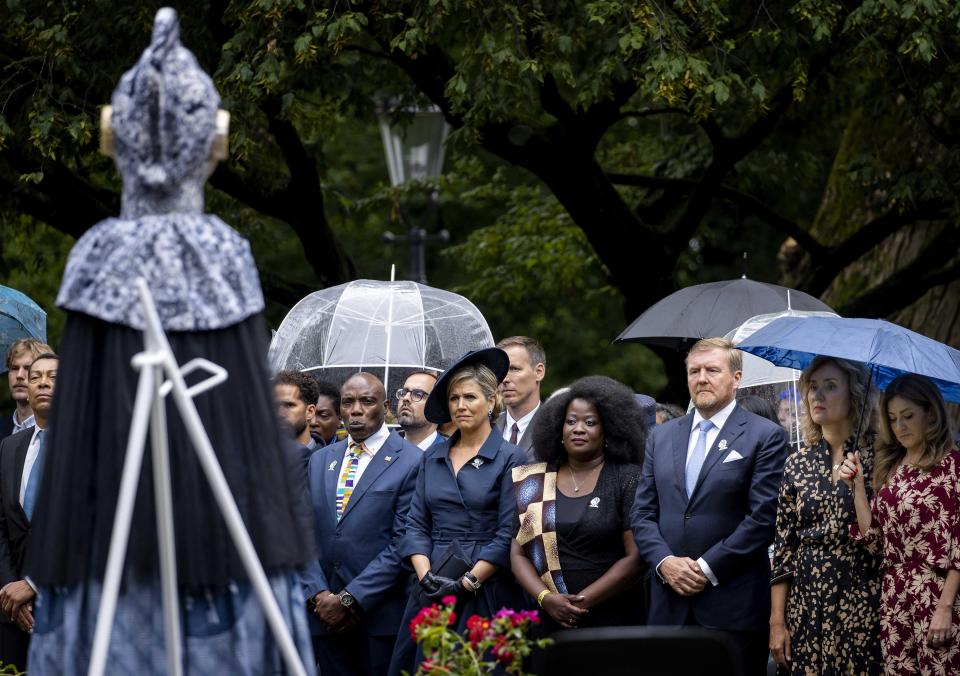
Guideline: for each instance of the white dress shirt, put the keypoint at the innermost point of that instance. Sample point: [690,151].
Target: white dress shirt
[20,426]
[33,450]
[521,424]
[428,441]
[719,419]
[373,443]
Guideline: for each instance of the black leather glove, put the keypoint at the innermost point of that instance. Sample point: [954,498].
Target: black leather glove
[429,584]
[438,586]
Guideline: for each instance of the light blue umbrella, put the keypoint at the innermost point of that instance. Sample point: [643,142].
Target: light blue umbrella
[20,317]
[890,350]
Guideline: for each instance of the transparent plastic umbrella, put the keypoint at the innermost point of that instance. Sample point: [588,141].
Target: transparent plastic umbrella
[387,328]
[776,384]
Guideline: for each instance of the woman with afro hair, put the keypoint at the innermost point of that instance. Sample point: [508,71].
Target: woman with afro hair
[574,552]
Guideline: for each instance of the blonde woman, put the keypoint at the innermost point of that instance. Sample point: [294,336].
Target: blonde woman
[825,588]
[914,520]
[462,515]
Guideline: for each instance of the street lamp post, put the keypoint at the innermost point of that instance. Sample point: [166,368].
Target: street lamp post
[415,153]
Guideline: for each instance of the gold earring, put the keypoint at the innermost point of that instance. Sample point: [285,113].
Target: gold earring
[107,146]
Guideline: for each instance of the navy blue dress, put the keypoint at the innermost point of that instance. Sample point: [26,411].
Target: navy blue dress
[472,513]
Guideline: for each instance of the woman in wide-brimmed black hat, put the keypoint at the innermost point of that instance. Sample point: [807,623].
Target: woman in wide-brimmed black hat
[461,520]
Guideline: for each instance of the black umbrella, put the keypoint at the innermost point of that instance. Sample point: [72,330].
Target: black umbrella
[714,309]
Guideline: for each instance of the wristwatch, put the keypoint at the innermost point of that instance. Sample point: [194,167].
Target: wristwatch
[472,580]
[346,599]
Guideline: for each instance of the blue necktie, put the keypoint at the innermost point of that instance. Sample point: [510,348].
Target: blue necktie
[33,482]
[695,462]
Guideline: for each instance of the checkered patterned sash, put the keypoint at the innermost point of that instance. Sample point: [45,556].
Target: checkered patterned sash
[536,490]
[348,476]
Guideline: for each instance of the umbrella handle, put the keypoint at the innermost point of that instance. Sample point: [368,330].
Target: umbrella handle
[863,407]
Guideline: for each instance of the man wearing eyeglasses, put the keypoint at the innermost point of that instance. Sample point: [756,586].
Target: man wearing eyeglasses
[411,399]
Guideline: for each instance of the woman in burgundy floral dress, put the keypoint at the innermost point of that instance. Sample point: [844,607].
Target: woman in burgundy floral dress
[913,518]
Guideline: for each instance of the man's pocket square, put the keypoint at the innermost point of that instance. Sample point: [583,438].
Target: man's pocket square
[733,456]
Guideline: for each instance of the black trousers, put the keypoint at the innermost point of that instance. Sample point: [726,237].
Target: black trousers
[353,653]
[14,643]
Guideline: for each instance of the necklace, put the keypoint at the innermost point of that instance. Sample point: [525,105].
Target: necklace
[573,476]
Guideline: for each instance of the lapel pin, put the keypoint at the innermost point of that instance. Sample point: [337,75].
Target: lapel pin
[722,445]
[477,462]
[595,503]
[333,466]
[388,458]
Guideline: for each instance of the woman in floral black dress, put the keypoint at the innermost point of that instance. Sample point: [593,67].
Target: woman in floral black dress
[825,588]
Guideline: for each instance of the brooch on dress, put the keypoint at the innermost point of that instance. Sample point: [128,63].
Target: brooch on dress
[595,503]
[477,462]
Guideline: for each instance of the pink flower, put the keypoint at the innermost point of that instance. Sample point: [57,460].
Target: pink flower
[449,600]
[452,619]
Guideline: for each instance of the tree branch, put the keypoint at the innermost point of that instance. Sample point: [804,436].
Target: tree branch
[936,264]
[302,201]
[865,239]
[63,199]
[743,200]
[369,52]
[650,112]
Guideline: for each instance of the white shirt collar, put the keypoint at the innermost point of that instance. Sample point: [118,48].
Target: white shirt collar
[19,427]
[375,440]
[522,423]
[719,419]
[428,442]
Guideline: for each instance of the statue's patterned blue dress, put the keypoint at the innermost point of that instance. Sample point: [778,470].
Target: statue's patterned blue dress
[204,282]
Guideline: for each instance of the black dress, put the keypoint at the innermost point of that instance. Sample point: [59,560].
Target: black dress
[590,540]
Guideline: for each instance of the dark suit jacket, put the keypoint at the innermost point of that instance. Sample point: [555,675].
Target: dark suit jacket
[14,527]
[526,441]
[360,553]
[6,425]
[728,520]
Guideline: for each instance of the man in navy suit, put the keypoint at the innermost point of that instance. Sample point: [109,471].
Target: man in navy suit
[705,507]
[21,470]
[361,489]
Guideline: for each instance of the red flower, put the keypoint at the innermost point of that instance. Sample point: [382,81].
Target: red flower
[449,600]
[427,615]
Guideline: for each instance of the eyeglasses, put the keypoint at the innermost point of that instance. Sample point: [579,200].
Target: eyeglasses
[415,395]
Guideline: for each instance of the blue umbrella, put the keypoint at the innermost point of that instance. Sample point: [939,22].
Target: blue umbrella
[20,317]
[890,350]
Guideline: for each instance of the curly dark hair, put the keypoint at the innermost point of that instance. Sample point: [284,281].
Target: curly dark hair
[305,382]
[624,426]
[327,389]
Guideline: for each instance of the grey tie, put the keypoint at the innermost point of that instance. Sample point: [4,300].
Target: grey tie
[695,462]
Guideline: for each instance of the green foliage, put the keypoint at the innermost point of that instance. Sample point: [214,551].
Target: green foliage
[32,256]
[10,670]
[765,95]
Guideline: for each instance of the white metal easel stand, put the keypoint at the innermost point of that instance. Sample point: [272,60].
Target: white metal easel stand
[154,363]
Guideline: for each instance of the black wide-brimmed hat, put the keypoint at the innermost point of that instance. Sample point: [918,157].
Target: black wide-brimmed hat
[436,409]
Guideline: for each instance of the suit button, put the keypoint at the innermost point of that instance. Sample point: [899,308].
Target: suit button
[337,535]
[687,516]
